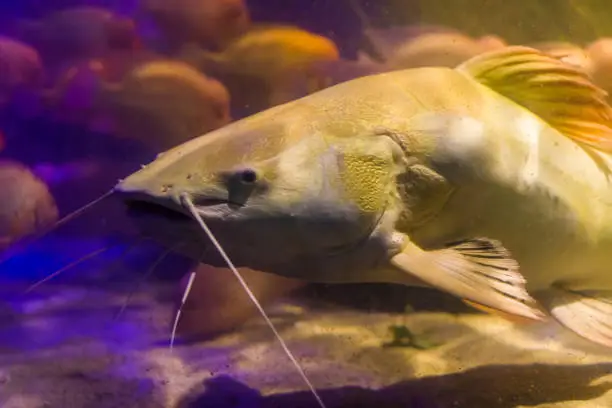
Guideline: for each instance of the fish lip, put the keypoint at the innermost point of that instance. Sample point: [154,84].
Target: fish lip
[167,202]
[211,202]
[142,203]
[171,204]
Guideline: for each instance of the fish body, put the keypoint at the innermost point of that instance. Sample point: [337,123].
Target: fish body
[325,74]
[212,24]
[277,49]
[389,40]
[164,103]
[445,49]
[79,33]
[535,190]
[568,53]
[474,180]
[26,204]
[79,88]
[266,65]
[599,57]
[21,69]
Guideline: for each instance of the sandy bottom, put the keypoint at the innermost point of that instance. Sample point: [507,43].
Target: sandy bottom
[63,346]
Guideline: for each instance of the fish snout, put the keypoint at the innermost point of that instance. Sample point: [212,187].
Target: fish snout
[232,187]
[142,183]
[143,188]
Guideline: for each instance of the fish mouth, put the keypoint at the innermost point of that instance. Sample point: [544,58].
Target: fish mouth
[166,208]
[141,205]
[138,207]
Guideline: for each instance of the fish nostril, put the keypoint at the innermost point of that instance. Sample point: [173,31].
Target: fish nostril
[248,176]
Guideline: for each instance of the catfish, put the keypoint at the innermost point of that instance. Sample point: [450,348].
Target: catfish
[489,181]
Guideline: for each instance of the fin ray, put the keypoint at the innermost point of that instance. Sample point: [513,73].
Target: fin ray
[493,281]
[589,316]
[495,312]
[561,94]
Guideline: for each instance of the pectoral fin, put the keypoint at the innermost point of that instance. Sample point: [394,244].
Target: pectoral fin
[588,315]
[478,270]
[512,317]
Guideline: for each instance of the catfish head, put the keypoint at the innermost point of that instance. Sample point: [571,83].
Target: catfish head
[280,196]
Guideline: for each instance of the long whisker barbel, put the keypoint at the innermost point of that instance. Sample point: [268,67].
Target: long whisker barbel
[188,203]
[26,242]
[186,293]
[69,266]
[124,254]
[144,277]
[179,311]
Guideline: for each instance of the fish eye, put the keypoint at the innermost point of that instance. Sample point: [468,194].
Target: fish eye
[248,176]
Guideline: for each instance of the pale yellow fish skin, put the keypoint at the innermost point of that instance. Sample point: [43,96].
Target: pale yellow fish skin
[548,202]
[538,192]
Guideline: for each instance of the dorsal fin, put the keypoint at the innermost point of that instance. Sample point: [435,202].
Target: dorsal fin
[559,93]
